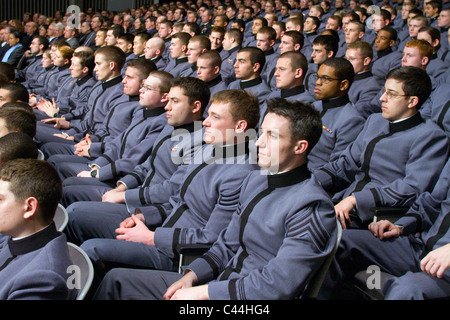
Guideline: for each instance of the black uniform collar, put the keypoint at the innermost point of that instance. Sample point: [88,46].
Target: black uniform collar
[269,52]
[214,81]
[133,98]
[250,83]
[180,60]
[231,151]
[188,126]
[384,52]
[153,112]
[286,93]
[83,80]
[155,60]
[362,75]
[234,49]
[289,178]
[64,67]
[109,83]
[409,123]
[34,241]
[337,102]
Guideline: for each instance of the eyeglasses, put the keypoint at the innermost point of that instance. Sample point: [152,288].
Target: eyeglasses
[324,79]
[391,95]
[147,88]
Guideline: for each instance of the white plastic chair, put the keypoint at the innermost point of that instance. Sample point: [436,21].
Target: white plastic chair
[61,218]
[81,259]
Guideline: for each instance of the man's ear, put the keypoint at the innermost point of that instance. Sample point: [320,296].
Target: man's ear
[30,207]
[301,146]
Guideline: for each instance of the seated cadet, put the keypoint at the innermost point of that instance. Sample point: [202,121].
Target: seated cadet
[395,157]
[17,145]
[249,63]
[165,33]
[249,40]
[178,54]
[217,173]
[324,47]
[17,117]
[414,25]
[265,40]
[364,87]
[73,93]
[118,118]
[13,92]
[341,121]
[385,59]
[196,46]
[289,74]
[418,53]
[42,77]
[436,68]
[34,256]
[123,153]
[310,31]
[29,74]
[237,267]
[139,42]
[216,38]
[208,70]
[419,264]
[232,42]
[443,25]
[154,49]
[380,19]
[125,42]
[353,32]
[290,41]
[108,65]
[187,100]
[61,55]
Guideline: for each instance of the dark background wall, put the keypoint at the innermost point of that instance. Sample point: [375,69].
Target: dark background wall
[14,9]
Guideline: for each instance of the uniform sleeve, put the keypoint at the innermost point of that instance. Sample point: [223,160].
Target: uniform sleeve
[426,158]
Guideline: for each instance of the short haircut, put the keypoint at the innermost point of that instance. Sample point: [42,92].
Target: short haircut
[243,105]
[86,59]
[336,18]
[17,145]
[195,89]
[306,122]
[432,32]
[315,21]
[144,67]
[423,19]
[236,34]
[193,27]
[296,36]
[34,178]
[144,36]
[42,40]
[343,69]
[262,19]
[385,15]
[424,47]
[298,60]
[415,82]
[117,30]
[360,26]
[16,91]
[435,4]
[204,41]
[330,43]
[272,34]
[112,54]
[256,56]
[184,37]
[165,79]
[364,48]
[392,32]
[128,37]
[19,121]
[213,57]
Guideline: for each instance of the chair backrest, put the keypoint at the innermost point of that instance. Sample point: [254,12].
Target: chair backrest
[61,218]
[81,259]
[312,288]
[40,155]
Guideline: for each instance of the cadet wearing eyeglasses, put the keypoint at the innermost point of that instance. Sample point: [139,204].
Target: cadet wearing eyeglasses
[397,156]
